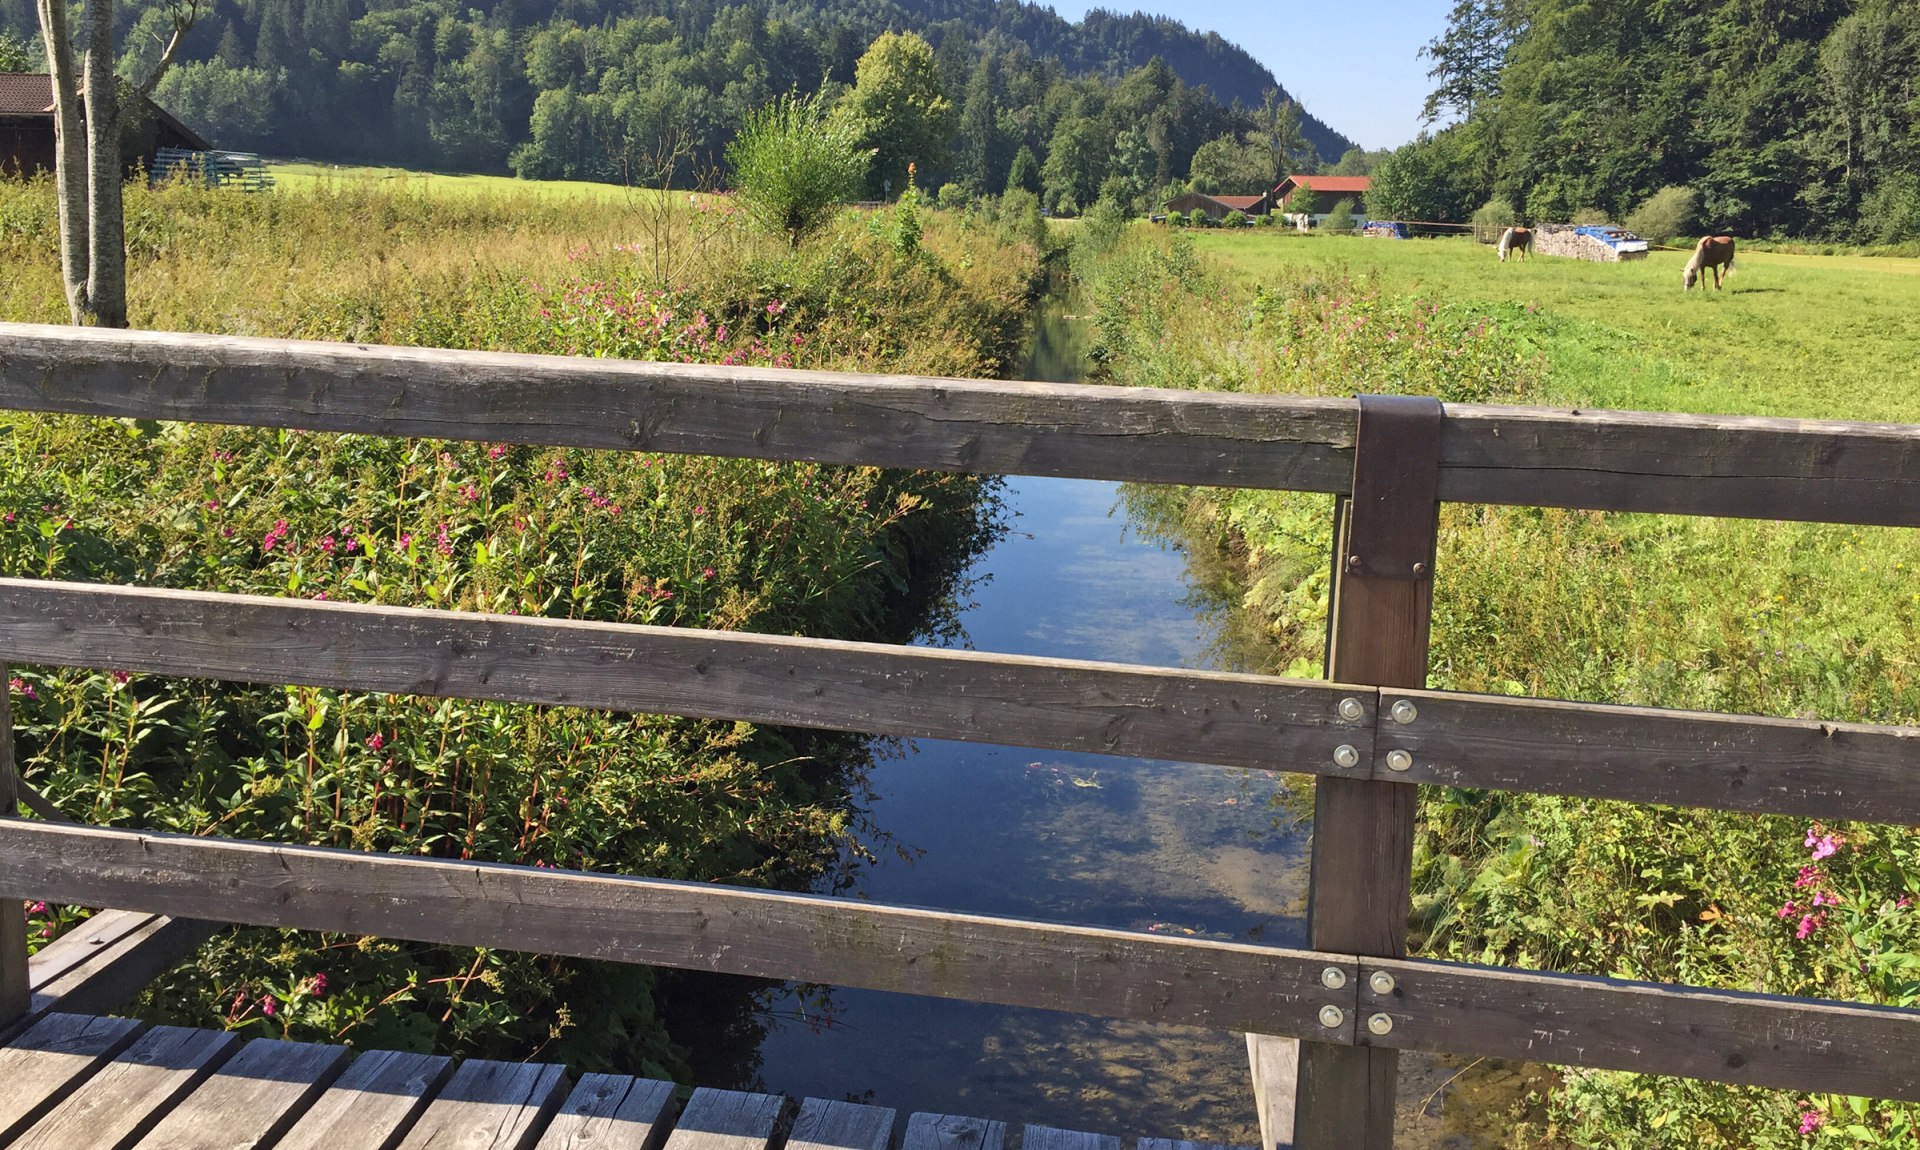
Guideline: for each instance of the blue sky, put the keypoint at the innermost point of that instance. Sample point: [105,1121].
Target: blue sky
[1365,78]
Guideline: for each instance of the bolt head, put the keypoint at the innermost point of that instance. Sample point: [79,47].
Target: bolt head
[1380,1023]
[1399,761]
[1381,982]
[1419,569]
[1351,710]
[1353,563]
[1333,978]
[1332,1016]
[1345,755]
[1404,711]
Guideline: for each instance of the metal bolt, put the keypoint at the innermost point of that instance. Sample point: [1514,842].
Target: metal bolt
[1381,982]
[1380,1023]
[1333,978]
[1351,710]
[1344,755]
[1399,760]
[1353,563]
[1332,1016]
[1419,569]
[1404,711]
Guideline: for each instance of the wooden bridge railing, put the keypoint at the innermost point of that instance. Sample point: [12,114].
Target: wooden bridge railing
[1354,997]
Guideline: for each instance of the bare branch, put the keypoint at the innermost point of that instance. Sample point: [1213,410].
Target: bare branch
[182,24]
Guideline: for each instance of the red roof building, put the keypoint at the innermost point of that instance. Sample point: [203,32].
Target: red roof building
[1327,191]
[26,127]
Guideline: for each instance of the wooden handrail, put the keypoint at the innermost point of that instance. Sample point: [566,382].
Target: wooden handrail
[1827,471]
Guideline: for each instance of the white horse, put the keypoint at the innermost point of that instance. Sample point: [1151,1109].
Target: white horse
[1517,240]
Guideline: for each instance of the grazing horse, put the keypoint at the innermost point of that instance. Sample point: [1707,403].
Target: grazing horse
[1712,253]
[1517,240]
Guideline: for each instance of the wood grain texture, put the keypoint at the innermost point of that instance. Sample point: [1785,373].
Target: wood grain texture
[42,1066]
[1174,1144]
[984,426]
[84,943]
[1796,1044]
[378,1098]
[125,1098]
[1200,982]
[1105,708]
[727,1120]
[1275,1064]
[828,1125]
[611,1112]
[1684,758]
[1604,460]
[490,1106]
[252,1099]
[16,980]
[121,968]
[953,1132]
[1054,1138]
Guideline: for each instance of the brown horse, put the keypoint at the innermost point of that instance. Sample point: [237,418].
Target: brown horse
[1713,253]
[1517,240]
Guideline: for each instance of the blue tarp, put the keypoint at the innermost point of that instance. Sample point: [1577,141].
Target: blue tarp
[1389,229]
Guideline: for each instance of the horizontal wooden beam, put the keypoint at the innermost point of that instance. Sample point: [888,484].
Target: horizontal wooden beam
[1641,754]
[1650,1028]
[1056,704]
[1197,982]
[1738,466]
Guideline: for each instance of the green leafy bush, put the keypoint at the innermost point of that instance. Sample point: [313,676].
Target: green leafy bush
[1666,215]
[1493,218]
[793,164]
[1340,220]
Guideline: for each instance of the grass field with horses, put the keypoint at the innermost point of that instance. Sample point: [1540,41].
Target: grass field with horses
[1808,336]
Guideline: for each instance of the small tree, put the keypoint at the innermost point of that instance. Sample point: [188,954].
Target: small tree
[1493,219]
[1667,213]
[792,165]
[1340,219]
[1300,200]
[1591,218]
[1236,219]
[952,198]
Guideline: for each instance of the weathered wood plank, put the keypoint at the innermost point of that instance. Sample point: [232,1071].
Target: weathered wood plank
[1750,1039]
[1685,758]
[828,1125]
[984,426]
[252,1099]
[84,943]
[845,942]
[611,1112]
[490,1106]
[1172,1144]
[1232,720]
[727,1120]
[1053,1138]
[1276,1072]
[953,1132]
[379,1097]
[121,969]
[1738,466]
[42,1066]
[1605,460]
[16,980]
[114,1108]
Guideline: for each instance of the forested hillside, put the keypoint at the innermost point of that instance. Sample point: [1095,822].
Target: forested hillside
[1798,119]
[599,89]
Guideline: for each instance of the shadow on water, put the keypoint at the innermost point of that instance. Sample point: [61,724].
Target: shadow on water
[1154,846]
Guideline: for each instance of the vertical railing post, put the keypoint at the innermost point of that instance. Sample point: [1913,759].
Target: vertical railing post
[15,989]
[1358,892]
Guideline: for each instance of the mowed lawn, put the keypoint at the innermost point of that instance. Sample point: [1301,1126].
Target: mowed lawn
[1806,336]
[300,175]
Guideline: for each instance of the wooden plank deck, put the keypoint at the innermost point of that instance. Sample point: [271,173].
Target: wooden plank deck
[112,1084]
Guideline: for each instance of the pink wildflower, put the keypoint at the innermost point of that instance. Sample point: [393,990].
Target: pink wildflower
[37,908]
[120,677]
[327,545]
[471,493]
[375,741]
[706,573]
[442,542]
[406,540]
[269,1006]
[320,985]
[700,509]
[24,687]
[1809,876]
[1811,1118]
[1787,911]
[497,451]
[1903,902]
[1827,847]
[213,505]
[1809,924]
[274,535]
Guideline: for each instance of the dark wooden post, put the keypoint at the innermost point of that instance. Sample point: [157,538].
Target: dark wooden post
[1358,893]
[15,990]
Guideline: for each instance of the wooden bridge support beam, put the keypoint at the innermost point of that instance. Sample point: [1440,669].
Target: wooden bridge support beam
[1358,893]
[16,995]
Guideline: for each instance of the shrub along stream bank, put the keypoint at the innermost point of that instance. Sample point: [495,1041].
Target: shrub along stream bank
[1784,619]
[854,553]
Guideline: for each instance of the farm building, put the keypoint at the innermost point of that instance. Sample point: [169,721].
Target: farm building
[26,127]
[1327,191]
[1601,244]
[1217,207]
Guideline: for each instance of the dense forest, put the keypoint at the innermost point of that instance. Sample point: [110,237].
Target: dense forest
[616,89]
[1779,119]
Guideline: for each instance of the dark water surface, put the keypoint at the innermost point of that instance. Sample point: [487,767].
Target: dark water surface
[1073,838]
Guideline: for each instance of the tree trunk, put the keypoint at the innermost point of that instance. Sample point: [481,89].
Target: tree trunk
[69,157]
[106,230]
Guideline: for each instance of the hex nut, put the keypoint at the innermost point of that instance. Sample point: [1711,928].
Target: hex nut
[1351,710]
[1345,755]
[1399,761]
[1404,711]
[1333,978]
[1381,982]
[1380,1023]
[1332,1016]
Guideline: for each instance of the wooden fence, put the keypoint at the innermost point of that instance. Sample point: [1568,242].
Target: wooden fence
[1370,736]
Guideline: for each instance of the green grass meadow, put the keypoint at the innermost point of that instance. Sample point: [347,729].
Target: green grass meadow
[302,176]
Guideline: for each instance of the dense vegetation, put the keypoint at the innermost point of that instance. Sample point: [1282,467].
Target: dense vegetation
[590,89]
[1770,618]
[1785,120]
[846,552]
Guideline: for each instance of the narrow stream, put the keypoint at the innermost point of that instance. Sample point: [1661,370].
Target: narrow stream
[1073,838]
